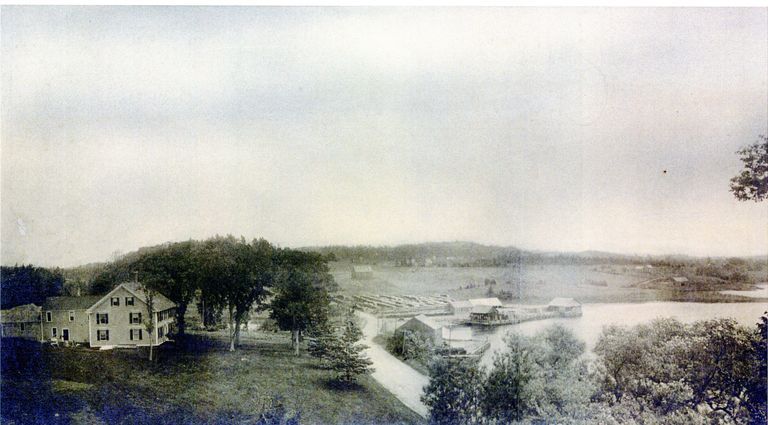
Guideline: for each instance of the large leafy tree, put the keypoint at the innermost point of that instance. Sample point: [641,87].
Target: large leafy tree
[301,297]
[712,364]
[752,182]
[455,392]
[235,275]
[28,284]
[173,271]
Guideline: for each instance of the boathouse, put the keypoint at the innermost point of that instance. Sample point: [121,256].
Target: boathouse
[486,314]
[565,306]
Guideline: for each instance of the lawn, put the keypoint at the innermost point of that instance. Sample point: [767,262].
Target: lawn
[200,383]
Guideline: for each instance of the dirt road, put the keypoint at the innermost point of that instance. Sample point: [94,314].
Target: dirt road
[397,377]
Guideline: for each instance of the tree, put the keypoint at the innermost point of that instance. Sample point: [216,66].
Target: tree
[172,270]
[322,341]
[758,392]
[149,322]
[454,393]
[235,275]
[409,345]
[27,284]
[752,182]
[513,388]
[347,357]
[709,366]
[301,299]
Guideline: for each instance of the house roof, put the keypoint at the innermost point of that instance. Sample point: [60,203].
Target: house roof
[486,301]
[483,309]
[70,303]
[22,313]
[680,279]
[362,269]
[460,304]
[564,302]
[160,301]
[426,321]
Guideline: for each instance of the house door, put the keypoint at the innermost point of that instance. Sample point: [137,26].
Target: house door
[65,334]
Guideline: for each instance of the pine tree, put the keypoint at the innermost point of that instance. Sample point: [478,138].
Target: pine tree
[322,340]
[346,357]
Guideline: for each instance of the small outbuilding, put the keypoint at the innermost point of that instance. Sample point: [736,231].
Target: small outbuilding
[362,272]
[424,327]
[565,306]
[680,280]
[21,322]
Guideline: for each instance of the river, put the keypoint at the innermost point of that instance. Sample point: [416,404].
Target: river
[589,326]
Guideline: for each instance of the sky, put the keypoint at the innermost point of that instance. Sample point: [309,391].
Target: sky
[544,129]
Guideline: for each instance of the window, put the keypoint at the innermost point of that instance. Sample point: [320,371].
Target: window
[102,335]
[71,316]
[53,332]
[102,318]
[128,300]
[116,301]
[136,334]
[134,318]
[161,331]
[22,327]
[47,316]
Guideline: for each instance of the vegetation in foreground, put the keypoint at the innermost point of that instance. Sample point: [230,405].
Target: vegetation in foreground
[665,372]
[262,383]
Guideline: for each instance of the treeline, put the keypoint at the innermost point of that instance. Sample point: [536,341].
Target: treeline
[236,277]
[665,372]
[469,254]
[27,284]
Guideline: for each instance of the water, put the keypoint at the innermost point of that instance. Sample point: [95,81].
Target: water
[762,292]
[589,326]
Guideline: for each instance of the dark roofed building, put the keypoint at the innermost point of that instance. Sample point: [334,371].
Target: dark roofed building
[70,303]
[362,272]
[424,327]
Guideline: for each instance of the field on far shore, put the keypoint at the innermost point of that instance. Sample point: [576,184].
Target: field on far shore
[536,284]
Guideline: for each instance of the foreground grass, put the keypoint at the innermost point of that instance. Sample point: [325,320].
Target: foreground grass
[200,383]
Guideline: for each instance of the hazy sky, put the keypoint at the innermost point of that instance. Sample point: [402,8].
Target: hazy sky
[546,129]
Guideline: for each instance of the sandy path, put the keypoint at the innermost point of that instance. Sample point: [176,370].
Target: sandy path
[397,377]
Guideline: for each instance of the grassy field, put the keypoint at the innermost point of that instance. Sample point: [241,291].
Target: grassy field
[537,284]
[202,383]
